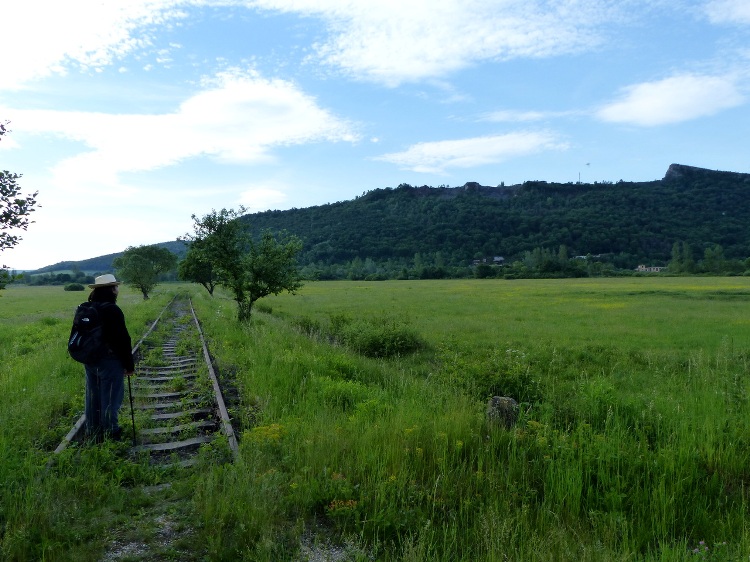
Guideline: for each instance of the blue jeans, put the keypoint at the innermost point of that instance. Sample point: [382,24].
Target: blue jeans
[105,390]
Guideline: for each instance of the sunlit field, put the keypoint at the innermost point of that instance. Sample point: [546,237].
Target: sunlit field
[644,314]
[361,411]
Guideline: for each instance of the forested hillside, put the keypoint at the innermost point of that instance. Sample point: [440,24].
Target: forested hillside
[637,222]
[104,263]
[691,216]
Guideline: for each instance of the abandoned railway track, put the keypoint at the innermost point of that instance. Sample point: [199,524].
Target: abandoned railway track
[177,403]
[177,407]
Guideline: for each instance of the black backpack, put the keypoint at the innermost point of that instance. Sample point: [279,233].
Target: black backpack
[86,342]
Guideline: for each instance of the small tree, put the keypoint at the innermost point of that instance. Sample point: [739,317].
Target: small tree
[141,266]
[675,264]
[270,268]
[14,210]
[197,269]
[249,269]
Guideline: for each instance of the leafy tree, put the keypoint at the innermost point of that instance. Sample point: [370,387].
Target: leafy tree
[251,269]
[198,269]
[483,271]
[140,266]
[14,211]
[675,264]
[713,260]
[688,263]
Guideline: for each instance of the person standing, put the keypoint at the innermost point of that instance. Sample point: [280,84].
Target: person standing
[105,379]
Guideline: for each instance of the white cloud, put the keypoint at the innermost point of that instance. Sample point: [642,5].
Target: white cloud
[238,118]
[47,37]
[387,41]
[728,11]
[263,198]
[672,100]
[511,116]
[393,41]
[436,157]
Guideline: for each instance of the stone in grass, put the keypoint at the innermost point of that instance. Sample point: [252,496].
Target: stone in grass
[502,410]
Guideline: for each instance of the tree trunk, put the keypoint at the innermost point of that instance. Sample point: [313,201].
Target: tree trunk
[244,307]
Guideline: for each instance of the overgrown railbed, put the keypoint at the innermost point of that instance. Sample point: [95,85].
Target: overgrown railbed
[632,442]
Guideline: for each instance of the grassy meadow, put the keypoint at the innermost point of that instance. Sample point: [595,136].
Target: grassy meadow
[363,435]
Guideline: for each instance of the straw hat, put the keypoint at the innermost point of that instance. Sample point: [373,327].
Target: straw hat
[106,280]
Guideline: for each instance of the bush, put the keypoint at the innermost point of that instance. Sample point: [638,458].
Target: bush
[378,337]
[74,287]
[308,326]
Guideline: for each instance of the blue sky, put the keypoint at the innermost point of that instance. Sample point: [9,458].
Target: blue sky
[130,116]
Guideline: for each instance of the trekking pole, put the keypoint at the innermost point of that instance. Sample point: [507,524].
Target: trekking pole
[132,414]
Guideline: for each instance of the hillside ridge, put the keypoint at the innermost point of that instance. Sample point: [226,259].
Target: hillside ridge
[638,222]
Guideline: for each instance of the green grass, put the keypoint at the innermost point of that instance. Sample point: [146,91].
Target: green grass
[633,441]
[64,511]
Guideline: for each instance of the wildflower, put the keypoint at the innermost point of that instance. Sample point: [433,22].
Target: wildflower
[342,505]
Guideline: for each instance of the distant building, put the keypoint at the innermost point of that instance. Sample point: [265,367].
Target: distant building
[650,268]
[496,260]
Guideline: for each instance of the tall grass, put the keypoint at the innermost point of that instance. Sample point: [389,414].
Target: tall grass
[632,441]
[67,510]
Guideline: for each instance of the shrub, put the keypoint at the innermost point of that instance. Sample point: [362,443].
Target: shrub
[503,372]
[74,287]
[378,337]
[307,325]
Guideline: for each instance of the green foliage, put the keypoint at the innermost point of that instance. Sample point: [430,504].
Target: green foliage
[100,264]
[63,511]
[504,372]
[264,308]
[197,268]
[74,287]
[251,269]
[623,224]
[60,278]
[541,229]
[627,447]
[379,336]
[382,336]
[140,266]
[307,325]
[636,446]
[15,208]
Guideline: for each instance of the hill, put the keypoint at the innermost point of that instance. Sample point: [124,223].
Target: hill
[639,221]
[101,263]
[630,222]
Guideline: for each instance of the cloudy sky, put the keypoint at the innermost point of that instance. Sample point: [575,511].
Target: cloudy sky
[129,116]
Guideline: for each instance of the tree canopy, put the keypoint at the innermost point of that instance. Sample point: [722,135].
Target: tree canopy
[197,268]
[140,266]
[250,268]
[15,210]
[638,220]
